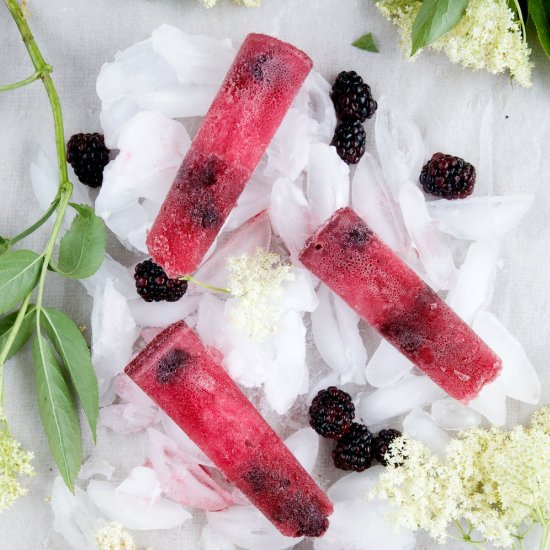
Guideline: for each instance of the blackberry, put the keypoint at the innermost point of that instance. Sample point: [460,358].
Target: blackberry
[153,285]
[382,444]
[355,450]
[352,98]
[88,156]
[448,177]
[349,140]
[331,413]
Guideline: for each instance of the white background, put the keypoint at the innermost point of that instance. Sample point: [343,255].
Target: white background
[493,123]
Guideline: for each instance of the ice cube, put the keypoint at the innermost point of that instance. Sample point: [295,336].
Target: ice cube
[362,525]
[491,403]
[473,288]
[290,215]
[248,528]
[287,376]
[254,234]
[373,201]
[189,447]
[127,418]
[115,272]
[196,58]
[136,502]
[387,366]
[181,479]
[319,107]
[401,397]
[299,294]
[254,199]
[152,147]
[335,328]
[288,152]
[327,182]
[212,540]
[431,244]
[96,466]
[161,314]
[419,425]
[304,445]
[399,145]
[518,379]
[453,415]
[113,334]
[477,218]
[75,516]
[355,486]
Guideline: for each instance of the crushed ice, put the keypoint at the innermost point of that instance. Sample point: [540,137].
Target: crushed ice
[147,93]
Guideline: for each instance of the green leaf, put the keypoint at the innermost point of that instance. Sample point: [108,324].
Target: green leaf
[23,334]
[58,411]
[19,272]
[75,356]
[539,11]
[436,18]
[82,247]
[366,42]
[4,245]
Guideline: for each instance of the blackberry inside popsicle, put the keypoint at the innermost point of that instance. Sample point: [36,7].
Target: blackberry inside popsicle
[254,97]
[347,256]
[181,375]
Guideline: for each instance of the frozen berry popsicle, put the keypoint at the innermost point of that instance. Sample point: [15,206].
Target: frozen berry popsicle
[254,97]
[182,376]
[346,255]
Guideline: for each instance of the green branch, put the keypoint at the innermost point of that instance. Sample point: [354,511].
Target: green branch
[29,80]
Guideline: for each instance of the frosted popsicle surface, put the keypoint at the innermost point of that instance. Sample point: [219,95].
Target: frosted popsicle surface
[183,377]
[253,99]
[347,256]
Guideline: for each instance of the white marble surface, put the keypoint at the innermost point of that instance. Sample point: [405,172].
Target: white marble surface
[498,126]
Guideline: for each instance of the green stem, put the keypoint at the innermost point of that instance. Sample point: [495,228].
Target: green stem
[545,537]
[65,190]
[521,21]
[45,69]
[35,226]
[190,279]
[29,80]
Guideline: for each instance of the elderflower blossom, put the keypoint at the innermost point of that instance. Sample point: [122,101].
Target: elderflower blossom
[14,462]
[496,481]
[256,280]
[112,536]
[487,37]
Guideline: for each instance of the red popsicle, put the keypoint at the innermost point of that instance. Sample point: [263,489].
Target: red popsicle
[347,256]
[183,377]
[254,97]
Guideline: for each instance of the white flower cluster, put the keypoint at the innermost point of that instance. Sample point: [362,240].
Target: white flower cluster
[487,37]
[256,281]
[112,536]
[496,481]
[14,462]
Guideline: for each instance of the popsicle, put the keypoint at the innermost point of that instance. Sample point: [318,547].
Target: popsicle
[253,99]
[348,257]
[184,378]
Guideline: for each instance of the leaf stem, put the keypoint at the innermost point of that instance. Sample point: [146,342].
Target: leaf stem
[35,226]
[545,537]
[29,80]
[190,279]
[521,20]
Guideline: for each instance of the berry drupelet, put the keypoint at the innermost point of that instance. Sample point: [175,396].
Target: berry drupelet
[382,444]
[153,285]
[331,413]
[352,98]
[349,140]
[448,177]
[354,450]
[88,156]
